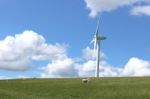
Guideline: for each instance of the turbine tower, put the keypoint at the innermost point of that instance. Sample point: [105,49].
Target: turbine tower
[97,40]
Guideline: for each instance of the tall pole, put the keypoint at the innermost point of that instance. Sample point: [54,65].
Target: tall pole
[98,58]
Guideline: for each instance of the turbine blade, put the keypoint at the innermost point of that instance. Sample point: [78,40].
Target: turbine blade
[92,41]
[97,28]
[95,44]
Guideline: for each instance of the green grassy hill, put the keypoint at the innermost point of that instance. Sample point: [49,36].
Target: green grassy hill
[103,88]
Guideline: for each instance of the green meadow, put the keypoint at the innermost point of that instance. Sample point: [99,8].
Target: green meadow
[73,88]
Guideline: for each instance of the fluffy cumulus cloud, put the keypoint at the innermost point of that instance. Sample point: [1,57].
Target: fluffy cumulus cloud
[88,69]
[141,10]
[69,67]
[136,67]
[60,68]
[99,6]
[17,52]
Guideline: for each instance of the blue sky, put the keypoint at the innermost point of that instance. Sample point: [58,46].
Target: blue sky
[72,25]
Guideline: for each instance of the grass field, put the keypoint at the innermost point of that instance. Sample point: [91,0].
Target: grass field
[103,88]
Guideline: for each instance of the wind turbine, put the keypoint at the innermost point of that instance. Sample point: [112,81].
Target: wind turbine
[96,40]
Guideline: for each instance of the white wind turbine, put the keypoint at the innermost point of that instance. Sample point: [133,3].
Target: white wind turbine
[96,40]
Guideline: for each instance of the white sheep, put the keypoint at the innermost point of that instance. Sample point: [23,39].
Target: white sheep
[86,80]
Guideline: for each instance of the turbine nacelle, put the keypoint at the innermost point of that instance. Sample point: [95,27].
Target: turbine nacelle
[101,37]
[96,39]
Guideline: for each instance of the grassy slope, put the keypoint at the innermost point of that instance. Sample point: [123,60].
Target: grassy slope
[103,88]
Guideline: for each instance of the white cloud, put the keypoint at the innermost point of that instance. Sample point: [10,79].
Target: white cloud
[17,52]
[99,6]
[134,67]
[90,54]
[141,10]
[68,67]
[60,68]
[18,65]
[137,67]
[50,52]
[88,69]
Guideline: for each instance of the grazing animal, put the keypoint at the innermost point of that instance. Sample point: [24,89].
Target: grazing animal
[86,80]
